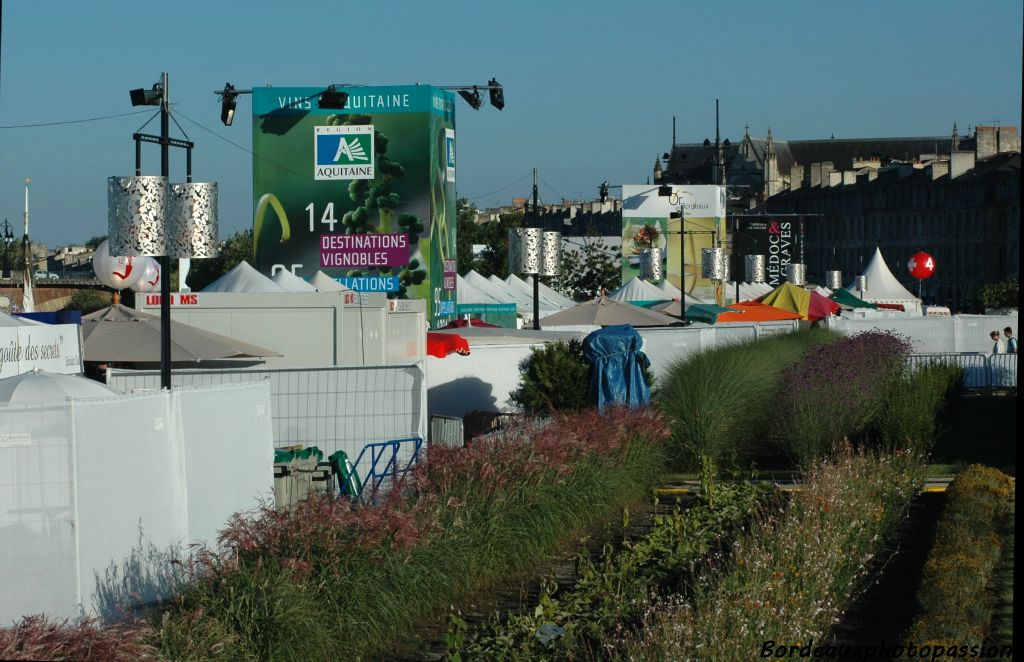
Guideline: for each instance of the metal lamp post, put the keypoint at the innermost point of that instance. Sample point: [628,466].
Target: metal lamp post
[8,238]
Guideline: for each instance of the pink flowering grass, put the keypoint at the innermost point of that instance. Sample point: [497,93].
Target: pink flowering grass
[288,583]
[40,638]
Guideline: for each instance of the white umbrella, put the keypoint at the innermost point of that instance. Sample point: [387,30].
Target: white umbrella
[120,334]
[605,312]
[42,386]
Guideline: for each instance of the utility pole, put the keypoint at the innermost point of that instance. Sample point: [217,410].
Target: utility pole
[164,260]
[536,276]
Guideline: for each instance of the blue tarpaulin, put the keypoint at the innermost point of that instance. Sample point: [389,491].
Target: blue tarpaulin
[617,364]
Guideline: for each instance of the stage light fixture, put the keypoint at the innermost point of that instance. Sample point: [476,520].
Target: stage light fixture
[472,98]
[333,99]
[227,104]
[144,97]
[497,93]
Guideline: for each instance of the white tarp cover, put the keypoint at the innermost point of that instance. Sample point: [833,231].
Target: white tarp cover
[51,347]
[291,282]
[882,286]
[637,289]
[82,480]
[243,278]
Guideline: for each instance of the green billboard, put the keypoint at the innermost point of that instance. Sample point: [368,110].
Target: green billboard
[365,194]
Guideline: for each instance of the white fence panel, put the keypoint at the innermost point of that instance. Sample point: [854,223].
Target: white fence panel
[332,408]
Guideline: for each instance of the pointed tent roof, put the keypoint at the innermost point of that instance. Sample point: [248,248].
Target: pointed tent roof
[552,294]
[324,283]
[637,289]
[748,291]
[546,302]
[849,300]
[291,282]
[243,278]
[882,285]
[809,305]
[466,293]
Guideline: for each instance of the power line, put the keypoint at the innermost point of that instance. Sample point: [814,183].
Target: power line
[81,121]
[504,188]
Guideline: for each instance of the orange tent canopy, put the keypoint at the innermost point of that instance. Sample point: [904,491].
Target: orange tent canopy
[752,311]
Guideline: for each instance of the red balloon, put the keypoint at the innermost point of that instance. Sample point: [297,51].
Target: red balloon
[921,265]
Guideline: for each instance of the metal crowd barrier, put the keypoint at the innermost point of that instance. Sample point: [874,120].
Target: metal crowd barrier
[980,370]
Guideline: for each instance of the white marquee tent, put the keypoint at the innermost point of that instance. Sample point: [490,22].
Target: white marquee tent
[243,278]
[554,295]
[883,286]
[637,289]
[291,282]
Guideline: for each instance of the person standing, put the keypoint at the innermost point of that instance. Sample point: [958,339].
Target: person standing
[997,343]
[1011,342]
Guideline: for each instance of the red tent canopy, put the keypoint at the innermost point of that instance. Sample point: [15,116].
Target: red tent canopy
[753,311]
[443,344]
[461,324]
[821,307]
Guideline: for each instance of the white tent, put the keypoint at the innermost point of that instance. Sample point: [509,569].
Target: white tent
[637,289]
[291,282]
[546,302]
[324,283]
[524,304]
[554,295]
[883,287]
[243,278]
[467,294]
[823,291]
[668,288]
[42,386]
[748,291]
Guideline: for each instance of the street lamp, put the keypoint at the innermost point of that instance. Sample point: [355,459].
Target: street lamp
[8,237]
[668,191]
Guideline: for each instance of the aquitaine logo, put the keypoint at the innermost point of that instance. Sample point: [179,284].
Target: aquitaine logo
[343,152]
[449,149]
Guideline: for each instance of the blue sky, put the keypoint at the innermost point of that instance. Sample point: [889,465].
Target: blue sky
[591,87]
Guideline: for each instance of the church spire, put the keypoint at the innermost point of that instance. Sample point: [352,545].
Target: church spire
[954,145]
[657,170]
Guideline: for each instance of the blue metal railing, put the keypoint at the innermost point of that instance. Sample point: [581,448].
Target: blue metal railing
[385,462]
[980,370]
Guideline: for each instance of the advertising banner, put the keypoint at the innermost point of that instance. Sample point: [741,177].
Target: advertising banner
[53,348]
[366,194]
[646,223]
[778,239]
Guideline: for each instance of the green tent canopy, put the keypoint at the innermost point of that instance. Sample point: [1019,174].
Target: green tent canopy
[846,298]
[705,312]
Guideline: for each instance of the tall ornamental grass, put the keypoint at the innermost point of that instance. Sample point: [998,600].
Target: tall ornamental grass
[719,402]
[329,579]
[911,415]
[836,391]
[798,569]
[955,598]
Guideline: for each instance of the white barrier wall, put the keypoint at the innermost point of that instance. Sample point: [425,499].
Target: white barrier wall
[80,479]
[933,335]
[484,380]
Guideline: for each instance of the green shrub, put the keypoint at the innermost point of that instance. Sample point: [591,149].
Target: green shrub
[910,414]
[555,377]
[721,401]
[956,605]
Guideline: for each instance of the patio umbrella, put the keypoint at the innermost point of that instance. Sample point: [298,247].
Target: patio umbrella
[602,311]
[674,308]
[847,299]
[443,344]
[42,386]
[809,305]
[705,312]
[120,334]
[461,324]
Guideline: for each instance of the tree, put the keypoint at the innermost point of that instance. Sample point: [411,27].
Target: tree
[233,251]
[493,260]
[468,234]
[94,241]
[88,301]
[591,271]
[1000,295]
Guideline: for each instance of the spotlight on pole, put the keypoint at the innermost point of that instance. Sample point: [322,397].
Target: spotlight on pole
[473,98]
[227,104]
[497,93]
[143,97]
[333,99]
[603,191]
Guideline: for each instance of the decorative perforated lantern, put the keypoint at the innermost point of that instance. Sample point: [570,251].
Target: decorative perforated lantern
[652,265]
[524,250]
[756,268]
[833,279]
[796,273]
[860,284]
[192,220]
[136,211]
[551,254]
[714,265]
